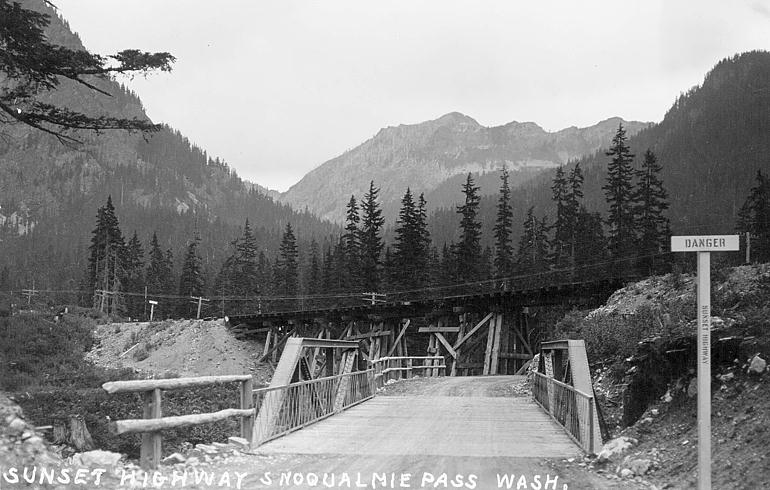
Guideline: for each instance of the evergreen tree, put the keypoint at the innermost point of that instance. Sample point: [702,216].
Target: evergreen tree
[327,279]
[191,279]
[106,262]
[448,265]
[560,244]
[286,266]
[651,200]
[468,249]
[409,261]
[352,241]
[371,240]
[619,195]
[591,246]
[169,282]
[573,210]
[503,262]
[314,270]
[422,259]
[532,255]
[159,277]
[246,279]
[134,276]
[263,275]
[754,218]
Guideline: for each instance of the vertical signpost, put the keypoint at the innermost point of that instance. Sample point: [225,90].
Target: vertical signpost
[704,245]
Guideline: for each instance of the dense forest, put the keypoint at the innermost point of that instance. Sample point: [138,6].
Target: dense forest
[631,240]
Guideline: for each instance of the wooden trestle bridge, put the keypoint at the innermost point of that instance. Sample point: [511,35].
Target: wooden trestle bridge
[492,331]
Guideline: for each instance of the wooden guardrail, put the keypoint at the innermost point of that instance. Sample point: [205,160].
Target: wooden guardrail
[291,407]
[388,368]
[569,407]
[153,423]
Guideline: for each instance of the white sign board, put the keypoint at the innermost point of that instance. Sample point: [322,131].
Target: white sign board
[152,302]
[704,243]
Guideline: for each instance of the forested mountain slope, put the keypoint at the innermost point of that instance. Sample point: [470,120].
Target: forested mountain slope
[159,182]
[710,143]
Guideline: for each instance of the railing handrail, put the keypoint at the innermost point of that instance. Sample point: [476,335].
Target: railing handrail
[563,385]
[394,358]
[266,389]
[170,383]
[153,422]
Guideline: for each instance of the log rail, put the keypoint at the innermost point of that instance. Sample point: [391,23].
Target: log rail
[153,422]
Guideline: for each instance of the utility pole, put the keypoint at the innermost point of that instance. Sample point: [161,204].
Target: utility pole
[30,292]
[199,300]
[373,297]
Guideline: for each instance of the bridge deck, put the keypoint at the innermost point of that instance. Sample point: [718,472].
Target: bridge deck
[455,417]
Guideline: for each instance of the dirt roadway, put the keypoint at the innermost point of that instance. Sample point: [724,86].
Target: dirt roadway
[434,433]
[422,433]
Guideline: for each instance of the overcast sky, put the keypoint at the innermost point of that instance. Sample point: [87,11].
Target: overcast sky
[278,87]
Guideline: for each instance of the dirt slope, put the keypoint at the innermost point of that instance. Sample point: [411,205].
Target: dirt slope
[176,347]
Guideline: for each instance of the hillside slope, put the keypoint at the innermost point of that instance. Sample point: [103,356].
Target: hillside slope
[49,193]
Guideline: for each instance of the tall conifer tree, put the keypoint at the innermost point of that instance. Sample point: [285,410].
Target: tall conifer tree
[191,283]
[371,240]
[651,200]
[352,240]
[287,264]
[468,249]
[619,193]
[503,262]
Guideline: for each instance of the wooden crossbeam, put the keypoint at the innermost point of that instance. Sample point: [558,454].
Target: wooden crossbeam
[446,343]
[495,359]
[433,329]
[277,345]
[473,330]
[514,355]
[398,339]
[379,333]
[523,340]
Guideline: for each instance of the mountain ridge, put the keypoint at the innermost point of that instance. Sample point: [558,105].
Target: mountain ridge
[423,155]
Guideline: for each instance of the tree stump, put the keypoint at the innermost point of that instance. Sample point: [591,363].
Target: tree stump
[79,437]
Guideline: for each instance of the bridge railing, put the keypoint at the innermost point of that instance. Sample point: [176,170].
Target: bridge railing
[570,408]
[153,423]
[395,368]
[287,408]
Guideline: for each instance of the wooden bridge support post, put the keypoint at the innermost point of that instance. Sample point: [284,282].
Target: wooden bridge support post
[150,451]
[492,354]
[247,402]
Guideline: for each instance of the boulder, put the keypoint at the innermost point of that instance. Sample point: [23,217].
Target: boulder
[692,388]
[757,365]
[238,442]
[175,458]
[98,458]
[639,466]
[614,447]
[16,426]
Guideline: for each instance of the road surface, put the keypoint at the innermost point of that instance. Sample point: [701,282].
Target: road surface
[462,432]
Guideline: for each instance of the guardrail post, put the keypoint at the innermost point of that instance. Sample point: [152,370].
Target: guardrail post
[247,402]
[591,426]
[409,368]
[151,441]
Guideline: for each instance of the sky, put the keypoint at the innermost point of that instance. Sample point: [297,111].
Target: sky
[277,87]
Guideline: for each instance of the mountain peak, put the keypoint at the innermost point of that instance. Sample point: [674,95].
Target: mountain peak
[455,118]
